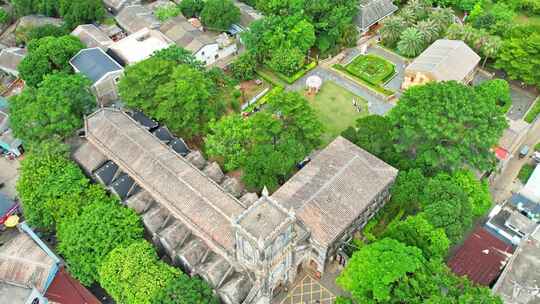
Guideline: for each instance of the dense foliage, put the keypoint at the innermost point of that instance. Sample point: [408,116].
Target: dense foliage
[50,186]
[191,8]
[220,14]
[444,126]
[86,240]
[174,88]
[244,67]
[269,143]
[133,273]
[53,110]
[73,12]
[185,290]
[415,27]
[47,55]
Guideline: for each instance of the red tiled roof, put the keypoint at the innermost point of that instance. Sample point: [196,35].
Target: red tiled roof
[501,153]
[66,290]
[481,258]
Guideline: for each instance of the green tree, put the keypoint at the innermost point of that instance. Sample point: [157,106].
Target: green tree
[229,140]
[47,55]
[519,57]
[55,109]
[244,67]
[44,31]
[184,103]
[418,232]
[392,29]
[446,125]
[371,134]
[85,240]
[477,192]
[411,42]
[4,16]
[407,192]
[168,11]
[43,7]
[81,11]
[50,186]
[220,14]
[429,30]
[287,61]
[191,8]
[375,270]
[186,290]
[442,18]
[179,56]
[446,205]
[140,82]
[133,274]
[498,90]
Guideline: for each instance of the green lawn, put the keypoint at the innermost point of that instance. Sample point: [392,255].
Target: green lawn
[333,105]
[524,19]
[373,69]
[533,112]
[525,172]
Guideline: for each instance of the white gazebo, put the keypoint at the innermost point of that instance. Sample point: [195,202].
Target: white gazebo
[314,84]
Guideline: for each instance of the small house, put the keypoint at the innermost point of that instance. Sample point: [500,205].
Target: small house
[103,71]
[444,60]
[115,6]
[509,224]
[371,12]
[247,13]
[139,46]
[206,46]
[91,36]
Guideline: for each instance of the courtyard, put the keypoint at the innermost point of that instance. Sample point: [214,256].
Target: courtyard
[334,106]
[309,291]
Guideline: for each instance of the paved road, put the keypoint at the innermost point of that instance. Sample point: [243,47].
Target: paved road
[8,175]
[376,104]
[502,186]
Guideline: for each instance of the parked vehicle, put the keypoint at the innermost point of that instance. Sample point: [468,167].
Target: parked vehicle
[536,157]
[8,207]
[523,151]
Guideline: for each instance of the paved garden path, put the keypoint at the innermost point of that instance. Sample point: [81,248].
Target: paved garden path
[399,62]
[376,104]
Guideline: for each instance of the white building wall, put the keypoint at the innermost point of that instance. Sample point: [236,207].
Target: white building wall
[211,53]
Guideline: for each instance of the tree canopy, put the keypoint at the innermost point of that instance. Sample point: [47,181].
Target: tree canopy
[446,205]
[269,143]
[174,88]
[50,186]
[374,271]
[185,290]
[54,110]
[220,14]
[133,273]
[88,238]
[47,55]
[418,232]
[446,125]
[73,12]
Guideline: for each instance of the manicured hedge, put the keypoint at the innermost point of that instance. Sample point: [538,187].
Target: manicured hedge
[377,88]
[292,79]
[372,69]
[533,112]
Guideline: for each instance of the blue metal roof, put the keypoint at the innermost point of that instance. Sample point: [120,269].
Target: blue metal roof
[94,63]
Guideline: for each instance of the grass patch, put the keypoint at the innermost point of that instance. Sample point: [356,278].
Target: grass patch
[333,105]
[373,69]
[376,88]
[271,77]
[533,112]
[525,172]
[537,147]
[525,19]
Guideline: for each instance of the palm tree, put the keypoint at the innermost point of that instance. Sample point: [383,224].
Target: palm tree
[391,30]
[491,47]
[419,9]
[442,18]
[408,16]
[428,29]
[411,43]
[455,32]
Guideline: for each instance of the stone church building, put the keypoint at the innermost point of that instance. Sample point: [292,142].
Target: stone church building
[243,245]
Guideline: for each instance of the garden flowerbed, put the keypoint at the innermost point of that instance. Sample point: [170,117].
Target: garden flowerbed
[372,69]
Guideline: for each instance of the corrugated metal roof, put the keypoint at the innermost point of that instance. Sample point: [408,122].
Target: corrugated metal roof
[481,258]
[445,60]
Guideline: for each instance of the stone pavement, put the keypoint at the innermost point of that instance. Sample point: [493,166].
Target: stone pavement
[309,291]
